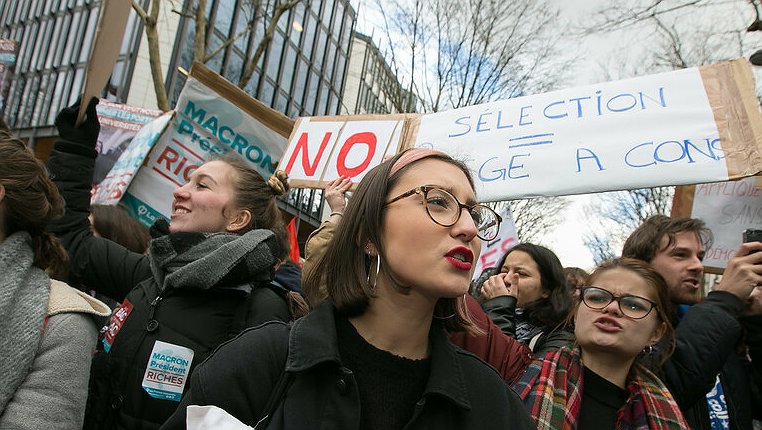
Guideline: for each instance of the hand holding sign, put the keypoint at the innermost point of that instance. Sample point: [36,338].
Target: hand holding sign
[83,133]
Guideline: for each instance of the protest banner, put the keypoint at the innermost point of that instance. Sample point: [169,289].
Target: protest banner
[683,127]
[119,124]
[727,208]
[112,188]
[212,117]
[325,148]
[8,48]
[494,250]
[112,21]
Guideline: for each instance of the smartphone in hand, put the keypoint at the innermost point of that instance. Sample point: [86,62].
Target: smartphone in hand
[752,235]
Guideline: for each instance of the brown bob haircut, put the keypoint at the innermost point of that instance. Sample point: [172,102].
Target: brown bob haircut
[645,241]
[345,267]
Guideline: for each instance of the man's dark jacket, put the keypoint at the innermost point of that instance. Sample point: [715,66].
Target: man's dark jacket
[708,338]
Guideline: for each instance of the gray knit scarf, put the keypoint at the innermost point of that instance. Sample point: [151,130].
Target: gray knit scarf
[205,260]
[24,291]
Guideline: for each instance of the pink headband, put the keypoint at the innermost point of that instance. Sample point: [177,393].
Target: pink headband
[411,156]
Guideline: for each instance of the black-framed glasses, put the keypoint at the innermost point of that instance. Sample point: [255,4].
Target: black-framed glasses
[635,307]
[445,209]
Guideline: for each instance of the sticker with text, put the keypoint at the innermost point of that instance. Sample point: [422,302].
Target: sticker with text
[167,371]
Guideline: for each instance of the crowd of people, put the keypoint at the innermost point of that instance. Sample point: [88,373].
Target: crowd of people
[380,327]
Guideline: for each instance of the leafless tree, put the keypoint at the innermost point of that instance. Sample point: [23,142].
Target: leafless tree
[265,13]
[150,21]
[613,216]
[683,33]
[455,54]
[534,218]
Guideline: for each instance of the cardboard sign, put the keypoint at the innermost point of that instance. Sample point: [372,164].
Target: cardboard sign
[8,53]
[494,250]
[105,49]
[119,125]
[727,208]
[684,127]
[325,148]
[213,117]
[111,190]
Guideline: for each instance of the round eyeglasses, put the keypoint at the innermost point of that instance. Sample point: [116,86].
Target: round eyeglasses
[444,209]
[635,307]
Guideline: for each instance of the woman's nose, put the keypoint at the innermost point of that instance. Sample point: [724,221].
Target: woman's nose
[180,192]
[465,226]
[613,308]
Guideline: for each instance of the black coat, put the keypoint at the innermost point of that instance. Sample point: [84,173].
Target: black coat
[462,392]
[707,344]
[199,319]
[502,311]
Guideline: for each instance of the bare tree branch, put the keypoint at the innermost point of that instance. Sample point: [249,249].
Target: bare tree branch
[154,57]
[278,11]
[613,216]
[199,40]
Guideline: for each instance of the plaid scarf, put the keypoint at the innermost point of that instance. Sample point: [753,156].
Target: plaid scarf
[551,389]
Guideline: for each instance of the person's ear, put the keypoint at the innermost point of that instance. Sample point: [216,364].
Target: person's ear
[240,221]
[2,193]
[657,334]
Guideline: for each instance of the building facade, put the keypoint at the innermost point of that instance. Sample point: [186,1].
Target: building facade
[300,72]
[372,86]
[54,39]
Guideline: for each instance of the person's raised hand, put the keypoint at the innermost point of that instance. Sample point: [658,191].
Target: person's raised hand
[744,271]
[502,284]
[334,193]
[754,303]
[85,134]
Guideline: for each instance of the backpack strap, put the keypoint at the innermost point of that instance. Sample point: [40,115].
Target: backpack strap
[238,323]
[247,308]
[281,387]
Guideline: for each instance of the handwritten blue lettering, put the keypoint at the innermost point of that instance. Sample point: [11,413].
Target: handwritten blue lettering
[460,121]
[586,154]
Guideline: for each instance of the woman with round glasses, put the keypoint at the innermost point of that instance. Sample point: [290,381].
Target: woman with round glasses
[375,354]
[599,383]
